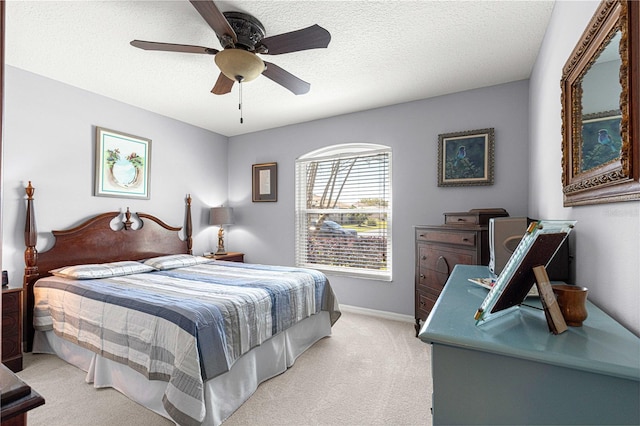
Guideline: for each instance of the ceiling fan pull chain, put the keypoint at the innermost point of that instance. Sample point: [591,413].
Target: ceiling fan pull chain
[240,100]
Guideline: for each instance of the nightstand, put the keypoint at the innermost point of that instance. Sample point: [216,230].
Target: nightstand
[12,328]
[231,256]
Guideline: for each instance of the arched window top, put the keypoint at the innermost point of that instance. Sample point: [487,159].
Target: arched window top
[344,149]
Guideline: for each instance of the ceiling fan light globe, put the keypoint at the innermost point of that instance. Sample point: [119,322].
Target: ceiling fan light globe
[239,65]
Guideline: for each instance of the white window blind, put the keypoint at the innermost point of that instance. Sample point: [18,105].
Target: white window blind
[343,210]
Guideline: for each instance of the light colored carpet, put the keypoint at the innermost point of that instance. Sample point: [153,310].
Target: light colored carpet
[371,371]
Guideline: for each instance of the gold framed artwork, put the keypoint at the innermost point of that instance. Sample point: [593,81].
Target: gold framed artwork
[265,182]
[466,158]
[122,165]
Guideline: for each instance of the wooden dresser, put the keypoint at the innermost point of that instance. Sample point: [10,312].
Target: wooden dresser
[12,328]
[462,239]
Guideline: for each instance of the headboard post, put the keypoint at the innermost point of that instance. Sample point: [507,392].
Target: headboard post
[31,272]
[188,228]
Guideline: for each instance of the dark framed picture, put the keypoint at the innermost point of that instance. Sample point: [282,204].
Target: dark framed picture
[122,165]
[601,139]
[265,182]
[466,158]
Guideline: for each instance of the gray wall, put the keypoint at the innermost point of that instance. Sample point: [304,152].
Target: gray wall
[265,231]
[606,237]
[49,138]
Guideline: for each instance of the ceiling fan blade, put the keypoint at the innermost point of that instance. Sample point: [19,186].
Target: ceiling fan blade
[223,85]
[286,79]
[170,47]
[313,37]
[216,20]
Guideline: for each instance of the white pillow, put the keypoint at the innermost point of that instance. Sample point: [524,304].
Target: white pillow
[173,261]
[102,270]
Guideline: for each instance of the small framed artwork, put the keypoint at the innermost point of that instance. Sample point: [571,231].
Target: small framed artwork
[466,158]
[122,165]
[265,182]
[601,139]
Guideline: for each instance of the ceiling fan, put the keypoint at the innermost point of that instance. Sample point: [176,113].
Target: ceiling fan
[243,37]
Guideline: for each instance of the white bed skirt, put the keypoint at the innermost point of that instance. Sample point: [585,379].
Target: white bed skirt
[224,394]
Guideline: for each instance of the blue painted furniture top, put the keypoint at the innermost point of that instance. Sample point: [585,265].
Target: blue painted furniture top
[600,346]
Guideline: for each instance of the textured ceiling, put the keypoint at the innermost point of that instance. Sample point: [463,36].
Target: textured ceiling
[381,53]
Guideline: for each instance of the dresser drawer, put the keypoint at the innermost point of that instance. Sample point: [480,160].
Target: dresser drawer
[463,238]
[424,304]
[432,281]
[474,216]
[442,260]
[460,219]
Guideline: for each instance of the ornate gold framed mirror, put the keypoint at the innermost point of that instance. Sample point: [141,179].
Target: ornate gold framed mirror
[600,96]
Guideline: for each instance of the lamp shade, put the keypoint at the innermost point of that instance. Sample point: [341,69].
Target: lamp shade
[239,65]
[221,216]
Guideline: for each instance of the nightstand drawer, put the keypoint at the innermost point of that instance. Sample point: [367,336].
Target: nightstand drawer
[10,346]
[12,328]
[10,302]
[9,322]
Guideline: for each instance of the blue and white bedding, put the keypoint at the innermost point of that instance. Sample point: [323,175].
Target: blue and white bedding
[183,325]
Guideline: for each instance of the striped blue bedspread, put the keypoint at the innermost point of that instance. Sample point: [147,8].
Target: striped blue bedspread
[184,325]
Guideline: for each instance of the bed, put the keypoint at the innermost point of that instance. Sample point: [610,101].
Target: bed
[122,297]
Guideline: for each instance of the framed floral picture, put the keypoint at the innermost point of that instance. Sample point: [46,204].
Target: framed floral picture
[122,165]
[466,158]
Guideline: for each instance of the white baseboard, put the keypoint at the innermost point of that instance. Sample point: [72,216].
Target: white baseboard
[375,313]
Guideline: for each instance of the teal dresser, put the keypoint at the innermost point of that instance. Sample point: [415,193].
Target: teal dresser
[512,370]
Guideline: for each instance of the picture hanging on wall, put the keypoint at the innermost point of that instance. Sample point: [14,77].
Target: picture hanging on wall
[466,158]
[601,140]
[122,165]
[265,182]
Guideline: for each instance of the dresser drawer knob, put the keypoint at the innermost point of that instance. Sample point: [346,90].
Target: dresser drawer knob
[423,257]
[422,277]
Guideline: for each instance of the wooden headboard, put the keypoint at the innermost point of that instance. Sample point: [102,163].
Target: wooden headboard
[95,241]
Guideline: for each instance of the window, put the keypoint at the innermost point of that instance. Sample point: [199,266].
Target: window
[343,210]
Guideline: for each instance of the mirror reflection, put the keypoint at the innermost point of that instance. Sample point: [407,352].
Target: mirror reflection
[601,117]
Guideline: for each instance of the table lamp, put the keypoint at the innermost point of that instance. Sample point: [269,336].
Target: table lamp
[221,216]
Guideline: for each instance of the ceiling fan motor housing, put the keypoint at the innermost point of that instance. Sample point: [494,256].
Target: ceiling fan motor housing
[248,29]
